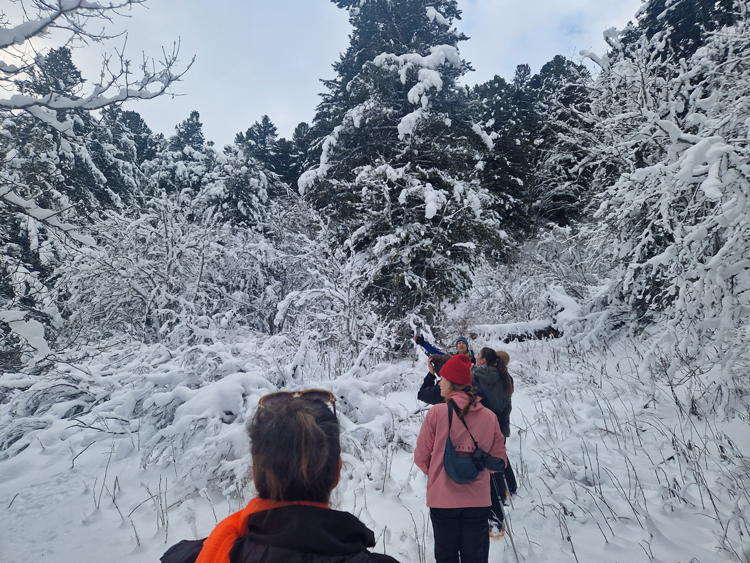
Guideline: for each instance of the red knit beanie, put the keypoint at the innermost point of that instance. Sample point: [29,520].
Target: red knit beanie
[457,370]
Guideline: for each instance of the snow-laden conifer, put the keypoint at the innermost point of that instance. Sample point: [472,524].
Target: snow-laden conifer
[679,212]
[399,155]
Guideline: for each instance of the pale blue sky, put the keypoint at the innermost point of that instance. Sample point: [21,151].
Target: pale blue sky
[256,57]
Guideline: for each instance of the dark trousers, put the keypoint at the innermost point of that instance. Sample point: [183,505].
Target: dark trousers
[497,490]
[511,478]
[461,534]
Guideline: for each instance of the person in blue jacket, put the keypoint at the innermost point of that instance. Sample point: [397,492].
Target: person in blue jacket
[462,347]
[430,390]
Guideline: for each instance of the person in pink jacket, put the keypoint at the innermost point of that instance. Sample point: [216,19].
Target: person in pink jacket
[459,512]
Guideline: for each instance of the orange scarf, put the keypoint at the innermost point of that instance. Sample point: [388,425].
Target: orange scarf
[217,545]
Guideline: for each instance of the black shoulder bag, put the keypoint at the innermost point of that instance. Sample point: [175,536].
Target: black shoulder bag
[466,469]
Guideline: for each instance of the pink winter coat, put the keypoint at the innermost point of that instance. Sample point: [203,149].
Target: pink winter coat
[442,491]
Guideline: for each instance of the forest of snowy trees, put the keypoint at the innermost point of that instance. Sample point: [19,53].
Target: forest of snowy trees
[385,208]
[596,203]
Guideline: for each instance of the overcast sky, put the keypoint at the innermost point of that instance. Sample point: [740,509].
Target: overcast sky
[256,57]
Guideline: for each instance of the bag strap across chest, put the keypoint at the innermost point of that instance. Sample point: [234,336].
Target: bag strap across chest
[451,407]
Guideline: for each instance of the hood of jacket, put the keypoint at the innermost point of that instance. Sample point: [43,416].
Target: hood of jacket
[490,384]
[487,376]
[294,534]
[461,399]
[311,529]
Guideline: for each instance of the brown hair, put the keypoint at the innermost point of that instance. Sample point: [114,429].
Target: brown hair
[295,450]
[470,391]
[496,360]
[438,361]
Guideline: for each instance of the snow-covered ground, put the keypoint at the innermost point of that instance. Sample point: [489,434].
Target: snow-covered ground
[610,467]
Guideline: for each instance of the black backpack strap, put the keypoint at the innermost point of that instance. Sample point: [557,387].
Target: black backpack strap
[452,405]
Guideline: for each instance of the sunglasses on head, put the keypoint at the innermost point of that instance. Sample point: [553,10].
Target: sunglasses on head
[309,394]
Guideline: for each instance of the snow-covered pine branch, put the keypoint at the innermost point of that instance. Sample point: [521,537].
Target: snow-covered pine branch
[679,212]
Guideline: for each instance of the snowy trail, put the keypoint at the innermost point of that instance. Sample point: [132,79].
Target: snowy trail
[51,511]
[603,471]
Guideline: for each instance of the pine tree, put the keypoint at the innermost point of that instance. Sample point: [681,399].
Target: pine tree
[677,213]
[55,74]
[231,184]
[565,148]
[506,111]
[181,161]
[398,152]
[260,140]
[189,133]
[130,132]
[277,155]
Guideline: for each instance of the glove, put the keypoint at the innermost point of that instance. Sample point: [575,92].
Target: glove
[419,339]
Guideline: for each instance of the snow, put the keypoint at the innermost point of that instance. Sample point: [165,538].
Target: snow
[30,330]
[428,78]
[434,15]
[499,332]
[601,61]
[20,33]
[439,55]
[408,123]
[483,134]
[307,179]
[12,316]
[630,434]
[469,245]
[596,456]
[45,215]
[568,309]
[434,200]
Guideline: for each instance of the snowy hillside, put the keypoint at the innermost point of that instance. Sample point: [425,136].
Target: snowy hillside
[609,465]
[595,224]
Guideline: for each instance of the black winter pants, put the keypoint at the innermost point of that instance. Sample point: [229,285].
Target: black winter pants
[511,478]
[497,490]
[461,534]
[497,493]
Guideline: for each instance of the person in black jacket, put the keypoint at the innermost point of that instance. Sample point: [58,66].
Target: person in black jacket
[492,377]
[430,390]
[296,463]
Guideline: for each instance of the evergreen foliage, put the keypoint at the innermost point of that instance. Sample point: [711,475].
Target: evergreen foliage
[563,155]
[281,156]
[260,140]
[397,173]
[678,211]
[189,134]
[506,110]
